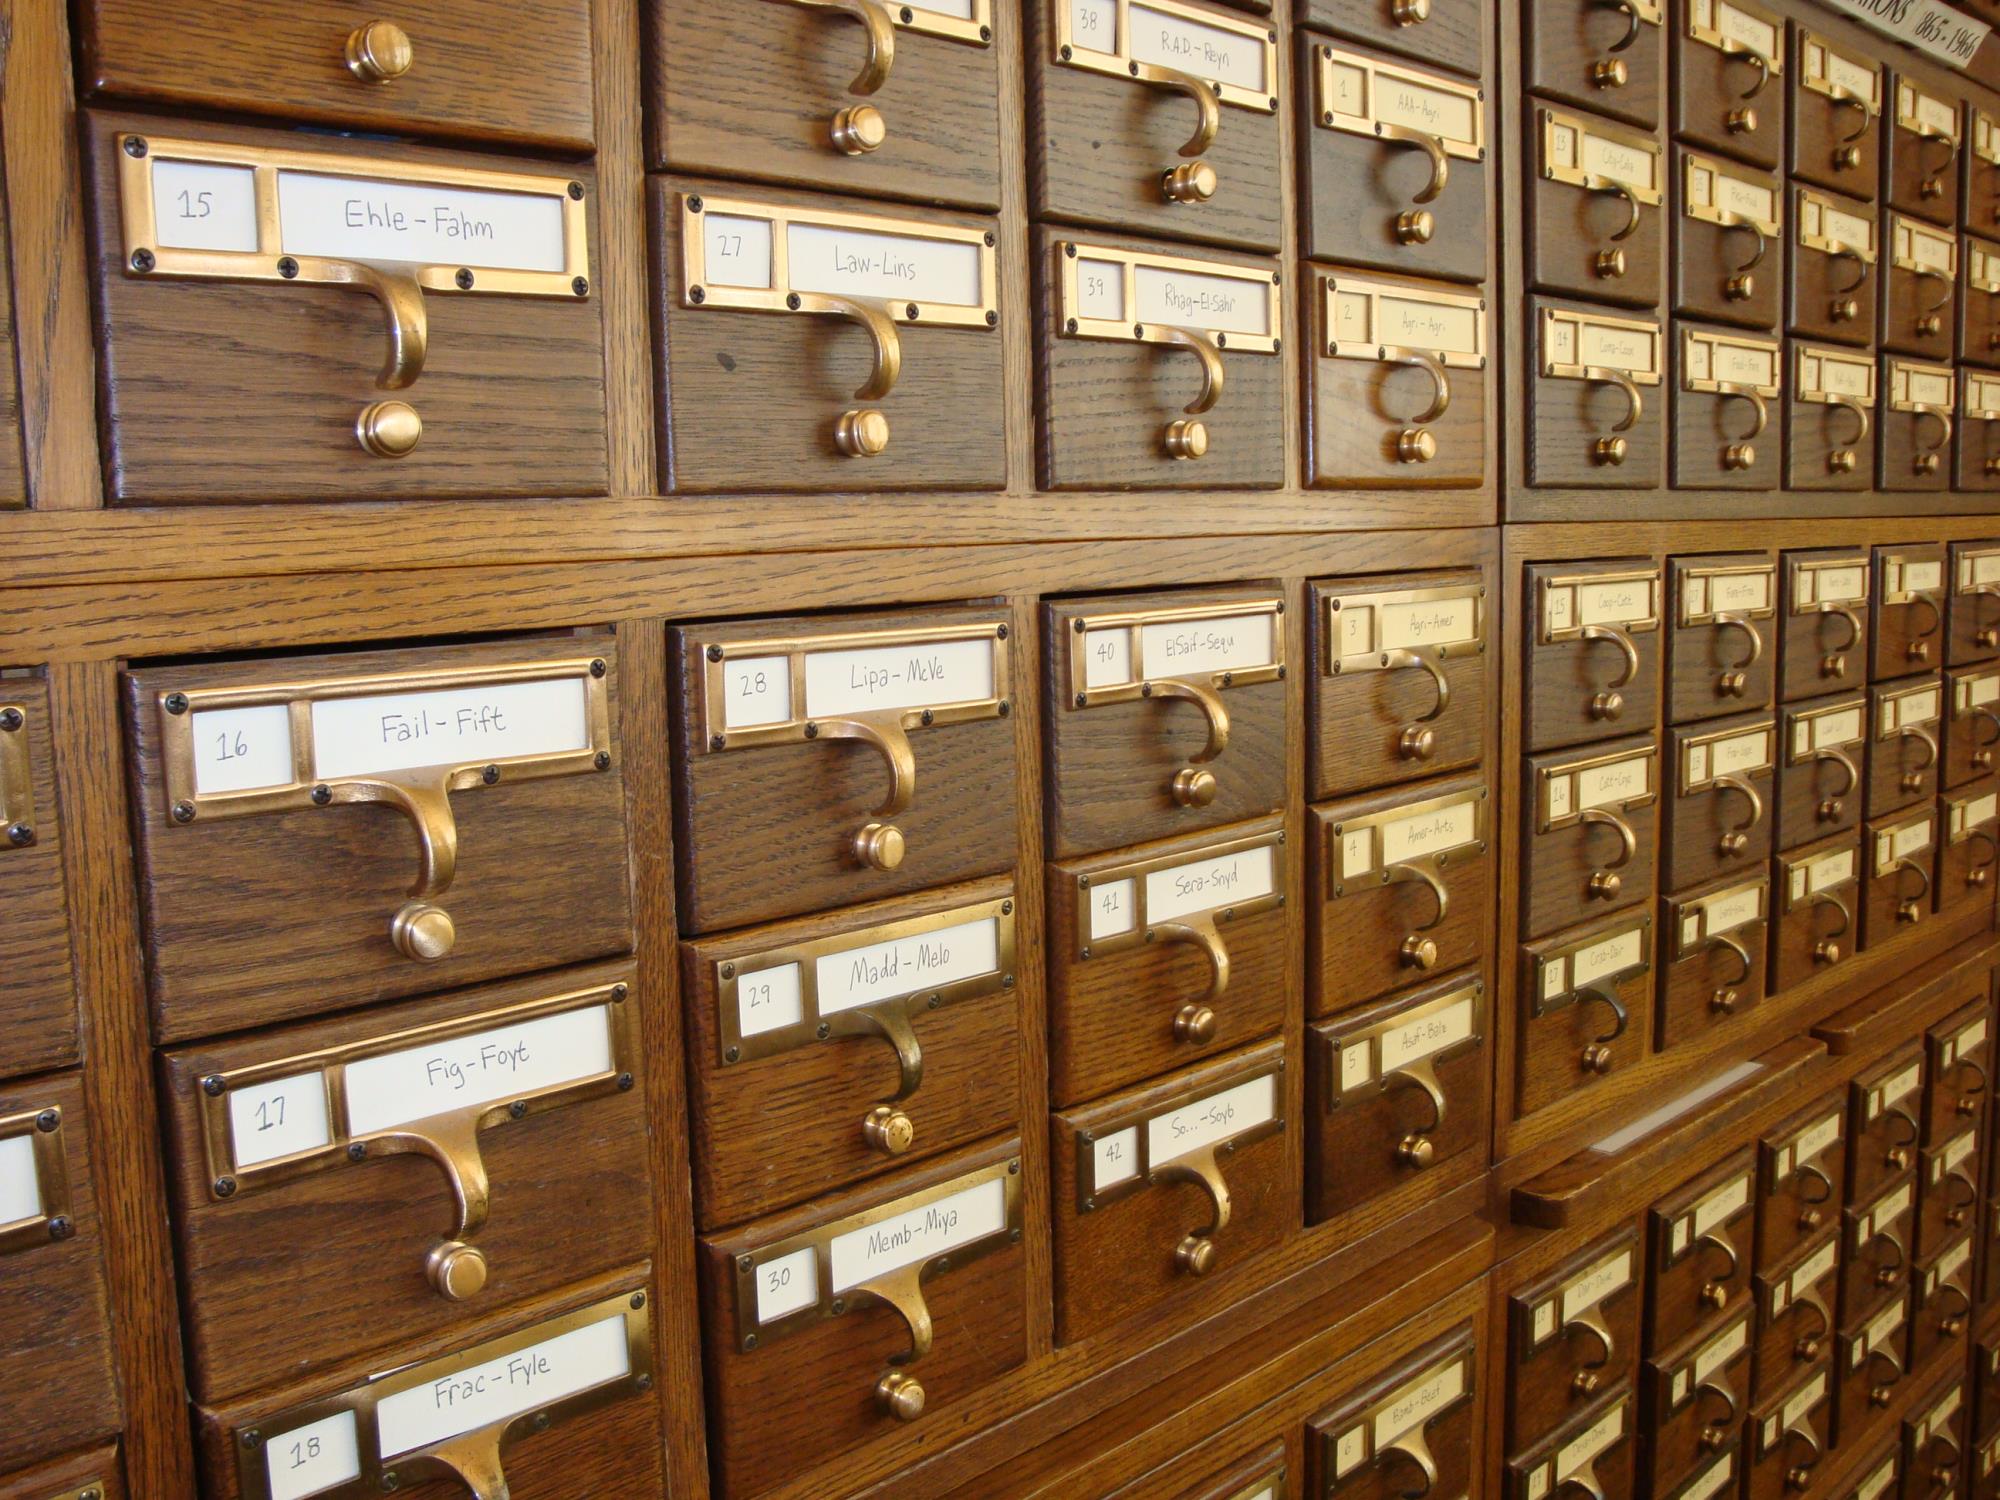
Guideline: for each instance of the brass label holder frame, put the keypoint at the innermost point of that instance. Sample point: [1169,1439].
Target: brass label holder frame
[1819,81]
[1812,208]
[1909,115]
[1198,927]
[1539,1313]
[1558,1469]
[1200,1166]
[1711,385]
[1374,71]
[1129,327]
[54,1222]
[1575,174]
[1553,368]
[1546,776]
[1544,1002]
[1679,1389]
[1712,35]
[474,1457]
[1690,782]
[1335,285]
[1982,268]
[1895,566]
[1577,630]
[1376,1426]
[1978,395]
[1826,895]
[1202,686]
[1419,1073]
[1904,232]
[975,28]
[17,775]
[1985,138]
[1712,213]
[1689,617]
[1817,392]
[1692,944]
[1270,1482]
[1073,52]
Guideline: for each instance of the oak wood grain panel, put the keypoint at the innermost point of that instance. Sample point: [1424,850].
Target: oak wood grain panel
[13,473]
[1833,144]
[1970,729]
[1957,1064]
[1902,896]
[1613,1469]
[1717,444]
[1948,1174]
[1693,1280]
[1824,448]
[1721,101]
[1569,695]
[1908,635]
[1965,868]
[1448,35]
[1937,1455]
[1920,174]
[1773,1469]
[1978,333]
[1563,43]
[1941,1305]
[1454,1434]
[1832,297]
[1362,408]
[1884,1122]
[1698,841]
[1582,243]
[1815,796]
[1714,667]
[1972,622]
[38,1024]
[1704,992]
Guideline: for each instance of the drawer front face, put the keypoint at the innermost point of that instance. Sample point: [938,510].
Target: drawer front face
[1947,1191]
[1146,173]
[1794,1314]
[1719,801]
[864,755]
[253,782]
[1830,428]
[1692,1399]
[1877,1236]
[1788,1434]
[1593,1454]
[1395,1091]
[1836,245]
[1595,397]
[1730,240]
[1400,396]
[1969,821]
[1976,458]
[1884,1123]
[263,250]
[810,1322]
[1726,386]
[38,1025]
[13,475]
[1597,57]
[1713,970]
[1698,1253]
[1870,1360]
[1596,221]
[1823,745]
[1957,1053]
[1398,686]
[1918,403]
[1166,714]
[1934,1442]
[1972,615]
[1447,34]
[1899,883]
[1926,137]
[51,1277]
[463,1418]
[1589,837]
[813,343]
[370,1171]
[1367,1447]
[1114,409]
[1919,288]
[1986,1382]
[1981,206]
[1721,635]
[1397,175]
[1571,1335]
[824,1051]
[1978,301]
[1972,724]
[1402,886]
[1905,722]
[1906,610]
[1823,622]
[1837,93]
[773,94]
[1728,51]
[1940,1303]
[1801,1167]
[92,1473]
[1158,1189]
[1816,893]
[1163,956]
[1586,1009]
[1593,663]
[520,75]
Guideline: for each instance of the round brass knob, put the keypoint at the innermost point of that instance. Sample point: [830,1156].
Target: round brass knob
[388,429]
[379,51]
[1186,438]
[423,932]
[1908,911]
[456,1270]
[1740,121]
[1739,456]
[1415,445]
[1929,326]
[1607,705]
[1982,759]
[1723,1002]
[1798,1478]
[1732,684]
[1194,786]
[1610,264]
[1968,1104]
[1913,781]
[1831,809]
[859,129]
[1611,73]
[1596,1058]
[1926,463]
[1826,951]
[1714,1294]
[1415,226]
[1740,287]
[1944,1476]
[1418,742]
[1993,340]
[1809,1218]
[1918,651]
[1585,1382]
[1987,635]
[1977,877]
[1416,1151]
[1714,1437]
[863,433]
[1410,12]
[1609,450]
[1834,665]
[1190,182]
[1954,1217]
[1952,1326]
[1195,1255]
[901,1395]
[888,1130]
[1841,461]
[1931,187]
[880,846]
[1733,842]
[1419,952]
[1195,1024]
[1897,1158]
[1846,158]
[1888,1275]
[1844,309]
[1604,885]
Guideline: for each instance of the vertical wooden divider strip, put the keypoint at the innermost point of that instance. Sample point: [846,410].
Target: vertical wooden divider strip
[1031,974]
[1018,314]
[621,224]
[1292,589]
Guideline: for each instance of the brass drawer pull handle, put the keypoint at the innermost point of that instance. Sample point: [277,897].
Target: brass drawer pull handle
[1725,941]
[1715,1291]
[1890,1274]
[1412,1449]
[1800,1475]
[1618,190]
[1860,418]
[456,1269]
[1211,366]
[1737,839]
[1730,1410]
[881,329]
[1944,425]
[1757,405]
[1933,184]
[1919,649]
[880,27]
[1846,97]
[1625,645]
[898,1392]
[1196,1252]
[1584,1481]
[892,1024]
[1192,785]
[1983,757]
[1898,1154]
[1860,272]
[1621,1017]
[1980,873]
[1826,950]
[1813,1172]
[1913,779]
[402,299]
[1734,680]
[1635,406]
[1592,1323]
[1942,280]
[1431,146]
[1632,22]
[1432,366]
[878,843]
[1404,874]
[1206,101]
[1807,1345]
[1911,907]
[1201,932]
[1416,1148]
[1756,60]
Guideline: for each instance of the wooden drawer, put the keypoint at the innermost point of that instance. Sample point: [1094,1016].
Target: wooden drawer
[1966,820]
[52,1294]
[1820,787]
[1595,223]
[1978,338]
[1836,94]
[1905,720]
[38,1024]
[1980,187]
[1957,1070]
[1400,394]
[1884,1115]
[1163,955]
[1832,288]
[893,385]
[1898,888]
[1918,403]
[1588,845]
[1691,1403]
[1267,1473]
[1870,1362]
[1591,424]
[1947,1191]
[1402,886]
[1120,405]
[1934,1443]
[1876,1236]
[1823,621]
[1592,650]
[1789,1434]
[773,94]
[1801,1166]
[1729,58]
[1398,689]
[449,67]
[1397,176]
[1419,1420]
[1697,1253]
[1592,1455]
[1972,724]
[1586,1009]
[1159,1188]
[1906,609]
[379,1156]
[1597,57]
[759,788]
[1444,34]
[835,1322]
[429,1427]
[1166,714]
[503,760]
[1396,1091]
[1973,624]
[1720,807]
[1794,1319]
[93,1475]
[13,473]
[1108,121]
[489,382]
[1919,304]
[1816,892]
[1986,1252]
[1976,459]
[1940,1306]
[1714,969]
[1725,387]
[1921,166]
[1830,428]
[1724,619]
[1877,1477]
[1986,1382]
[1572,1335]
[1729,241]
[824,1051]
